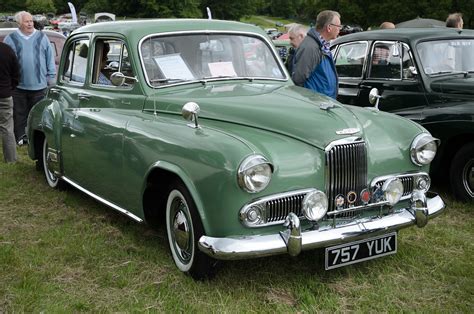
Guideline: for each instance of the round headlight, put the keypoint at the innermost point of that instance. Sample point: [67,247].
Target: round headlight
[254,173]
[315,205]
[423,149]
[392,190]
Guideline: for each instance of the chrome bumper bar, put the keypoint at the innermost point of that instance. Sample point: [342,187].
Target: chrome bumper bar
[293,240]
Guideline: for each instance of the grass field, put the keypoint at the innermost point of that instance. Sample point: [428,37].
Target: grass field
[60,251]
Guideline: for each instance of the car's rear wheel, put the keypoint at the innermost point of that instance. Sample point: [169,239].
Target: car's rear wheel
[184,228]
[52,180]
[462,173]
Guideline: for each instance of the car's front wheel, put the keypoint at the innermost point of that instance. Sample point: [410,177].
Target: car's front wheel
[184,228]
[462,173]
[52,180]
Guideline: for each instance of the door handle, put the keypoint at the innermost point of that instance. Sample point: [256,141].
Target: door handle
[54,90]
[365,86]
[84,96]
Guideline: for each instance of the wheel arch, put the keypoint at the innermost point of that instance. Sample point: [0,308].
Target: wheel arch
[451,146]
[158,180]
[45,120]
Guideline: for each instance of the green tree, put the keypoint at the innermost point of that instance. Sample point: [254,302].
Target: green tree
[40,6]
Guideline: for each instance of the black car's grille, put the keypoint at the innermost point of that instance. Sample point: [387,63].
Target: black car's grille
[346,166]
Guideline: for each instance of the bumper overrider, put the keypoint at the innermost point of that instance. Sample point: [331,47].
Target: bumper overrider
[293,240]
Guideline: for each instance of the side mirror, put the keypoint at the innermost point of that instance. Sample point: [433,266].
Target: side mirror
[374,97]
[190,112]
[118,79]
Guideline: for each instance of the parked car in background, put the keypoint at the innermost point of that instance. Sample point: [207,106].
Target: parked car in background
[197,129]
[56,39]
[426,75]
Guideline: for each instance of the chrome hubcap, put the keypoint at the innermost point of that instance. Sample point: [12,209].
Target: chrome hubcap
[468,177]
[182,232]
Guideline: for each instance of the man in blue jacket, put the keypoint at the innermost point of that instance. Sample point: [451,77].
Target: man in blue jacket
[314,66]
[36,58]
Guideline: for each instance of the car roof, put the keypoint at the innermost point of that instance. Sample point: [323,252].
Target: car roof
[144,27]
[407,34]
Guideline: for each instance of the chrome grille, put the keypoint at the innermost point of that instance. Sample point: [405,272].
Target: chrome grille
[346,166]
[278,209]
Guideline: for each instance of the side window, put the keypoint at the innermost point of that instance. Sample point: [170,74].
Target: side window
[350,59]
[409,70]
[110,55]
[75,63]
[385,61]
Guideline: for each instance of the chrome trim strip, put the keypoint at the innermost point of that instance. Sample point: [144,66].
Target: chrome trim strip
[104,201]
[252,246]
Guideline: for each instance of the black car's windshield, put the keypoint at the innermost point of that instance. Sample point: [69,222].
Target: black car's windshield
[452,56]
[202,57]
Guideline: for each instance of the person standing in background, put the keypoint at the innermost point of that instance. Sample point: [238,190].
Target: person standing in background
[37,70]
[314,66]
[387,25]
[9,77]
[297,33]
[455,20]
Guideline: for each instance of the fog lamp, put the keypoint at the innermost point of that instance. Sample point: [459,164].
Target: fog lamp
[315,205]
[392,190]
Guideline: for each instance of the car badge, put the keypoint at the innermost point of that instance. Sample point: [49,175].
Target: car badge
[347,131]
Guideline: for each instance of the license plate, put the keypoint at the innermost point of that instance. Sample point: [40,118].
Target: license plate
[363,250]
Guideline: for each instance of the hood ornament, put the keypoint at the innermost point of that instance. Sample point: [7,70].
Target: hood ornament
[326,106]
[348,131]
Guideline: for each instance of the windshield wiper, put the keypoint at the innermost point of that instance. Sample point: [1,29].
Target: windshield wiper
[206,78]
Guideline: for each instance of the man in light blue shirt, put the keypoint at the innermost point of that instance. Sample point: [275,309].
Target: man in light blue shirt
[37,70]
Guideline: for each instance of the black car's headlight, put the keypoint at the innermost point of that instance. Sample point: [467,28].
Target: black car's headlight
[254,173]
[423,149]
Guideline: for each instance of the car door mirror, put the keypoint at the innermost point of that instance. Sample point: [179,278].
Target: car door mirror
[118,79]
[374,97]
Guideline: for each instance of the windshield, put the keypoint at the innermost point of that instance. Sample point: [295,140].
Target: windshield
[201,57]
[447,56]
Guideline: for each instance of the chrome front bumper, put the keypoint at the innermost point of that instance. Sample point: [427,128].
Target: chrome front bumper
[293,240]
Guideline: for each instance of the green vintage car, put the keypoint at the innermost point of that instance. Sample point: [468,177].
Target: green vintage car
[196,123]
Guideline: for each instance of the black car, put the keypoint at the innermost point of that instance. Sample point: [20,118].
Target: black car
[426,75]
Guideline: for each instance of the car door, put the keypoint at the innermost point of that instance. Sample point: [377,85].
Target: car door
[69,92]
[102,116]
[350,60]
[391,69]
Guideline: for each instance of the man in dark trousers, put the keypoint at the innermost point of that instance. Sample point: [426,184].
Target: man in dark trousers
[314,66]
[9,77]
[36,58]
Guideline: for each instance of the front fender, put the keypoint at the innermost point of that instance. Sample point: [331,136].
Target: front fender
[43,119]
